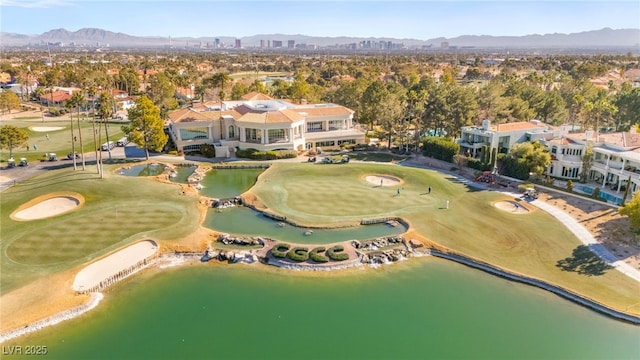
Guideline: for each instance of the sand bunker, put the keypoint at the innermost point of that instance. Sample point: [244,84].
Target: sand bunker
[46,128]
[512,206]
[103,269]
[40,208]
[383,180]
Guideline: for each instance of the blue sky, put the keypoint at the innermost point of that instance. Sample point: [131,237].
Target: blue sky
[418,19]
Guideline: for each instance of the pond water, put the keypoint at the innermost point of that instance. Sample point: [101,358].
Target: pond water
[245,221]
[425,308]
[228,183]
[142,170]
[183,173]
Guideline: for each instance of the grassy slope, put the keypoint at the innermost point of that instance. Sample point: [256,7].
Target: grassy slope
[146,208]
[529,244]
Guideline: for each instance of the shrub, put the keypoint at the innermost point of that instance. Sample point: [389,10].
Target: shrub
[208,150]
[596,193]
[440,148]
[477,164]
[336,253]
[298,254]
[570,185]
[266,155]
[316,255]
[280,250]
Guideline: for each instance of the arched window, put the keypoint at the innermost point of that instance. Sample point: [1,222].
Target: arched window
[232,131]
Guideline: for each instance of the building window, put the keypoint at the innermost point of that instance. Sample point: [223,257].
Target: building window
[325,143]
[194,133]
[350,141]
[277,135]
[232,131]
[314,126]
[253,135]
[336,125]
[191,148]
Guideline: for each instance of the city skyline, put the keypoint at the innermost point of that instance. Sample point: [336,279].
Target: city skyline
[354,18]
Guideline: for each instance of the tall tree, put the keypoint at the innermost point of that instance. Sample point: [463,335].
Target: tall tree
[299,88]
[11,137]
[627,100]
[219,80]
[70,104]
[162,92]
[79,101]
[632,210]
[9,101]
[147,127]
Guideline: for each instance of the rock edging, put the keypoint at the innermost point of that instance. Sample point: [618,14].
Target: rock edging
[95,299]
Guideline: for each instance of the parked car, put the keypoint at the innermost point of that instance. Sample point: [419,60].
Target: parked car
[123,141]
[107,146]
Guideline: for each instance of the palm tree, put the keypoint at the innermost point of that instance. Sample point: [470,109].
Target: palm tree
[91,91]
[78,100]
[70,105]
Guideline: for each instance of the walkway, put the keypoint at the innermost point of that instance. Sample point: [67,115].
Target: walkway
[572,224]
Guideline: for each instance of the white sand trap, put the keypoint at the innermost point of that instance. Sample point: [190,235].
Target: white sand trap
[511,206]
[102,269]
[46,128]
[381,180]
[47,208]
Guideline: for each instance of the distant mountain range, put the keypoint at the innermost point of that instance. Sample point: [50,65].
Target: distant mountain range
[604,38]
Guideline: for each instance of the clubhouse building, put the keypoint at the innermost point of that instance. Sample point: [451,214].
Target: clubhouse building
[260,122]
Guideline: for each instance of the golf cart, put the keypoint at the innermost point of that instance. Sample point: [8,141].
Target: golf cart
[23,162]
[53,157]
[530,194]
[11,163]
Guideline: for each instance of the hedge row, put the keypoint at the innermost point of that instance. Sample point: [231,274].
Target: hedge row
[316,255]
[266,155]
[298,254]
[440,148]
[336,253]
[280,250]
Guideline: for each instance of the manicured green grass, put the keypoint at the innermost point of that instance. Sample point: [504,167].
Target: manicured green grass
[375,156]
[530,244]
[59,141]
[145,209]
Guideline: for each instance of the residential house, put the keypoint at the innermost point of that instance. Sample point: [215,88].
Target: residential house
[615,161]
[502,136]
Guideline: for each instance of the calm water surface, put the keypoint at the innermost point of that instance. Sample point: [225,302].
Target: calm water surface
[245,221]
[419,309]
[227,183]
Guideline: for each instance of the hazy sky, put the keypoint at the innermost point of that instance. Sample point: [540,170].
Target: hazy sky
[419,19]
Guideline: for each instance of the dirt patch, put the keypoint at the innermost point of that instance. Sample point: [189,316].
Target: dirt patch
[47,206]
[511,206]
[606,225]
[383,180]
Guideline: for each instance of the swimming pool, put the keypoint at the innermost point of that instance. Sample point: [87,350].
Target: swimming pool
[603,195]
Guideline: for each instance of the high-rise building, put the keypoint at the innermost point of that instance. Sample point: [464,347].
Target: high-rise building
[291,44]
[277,43]
[238,43]
[217,43]
[263,44]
